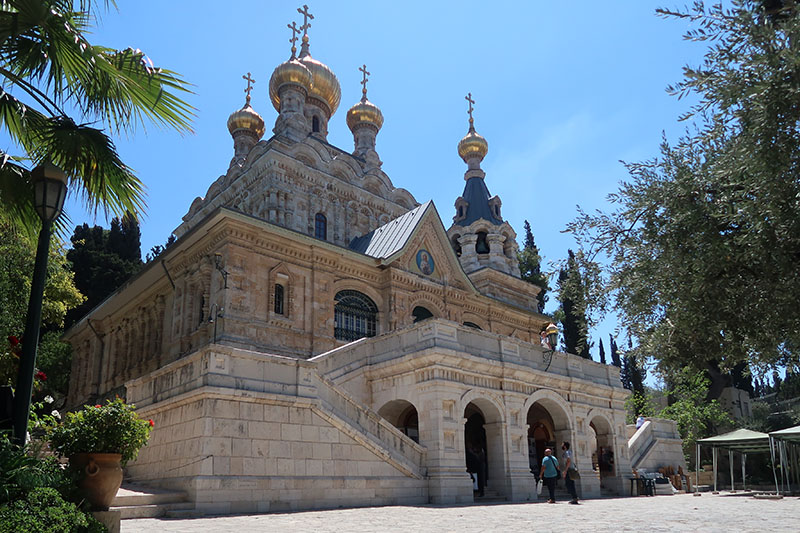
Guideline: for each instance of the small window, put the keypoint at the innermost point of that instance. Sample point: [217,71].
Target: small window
[461,211]
[321,227]
[472,325]
[315,124]
[279,299]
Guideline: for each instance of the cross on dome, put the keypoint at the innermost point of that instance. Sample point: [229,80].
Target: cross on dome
[293,40]
[364,79]
[306,17]
[469,99]
[249,88]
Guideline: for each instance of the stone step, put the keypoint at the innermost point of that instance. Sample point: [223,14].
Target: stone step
[152,510]
[184,513]
[130,495]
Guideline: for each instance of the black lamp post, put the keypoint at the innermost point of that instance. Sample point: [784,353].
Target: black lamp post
[50,190]
[551,336]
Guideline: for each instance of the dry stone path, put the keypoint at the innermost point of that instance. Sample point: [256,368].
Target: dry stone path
[707,513]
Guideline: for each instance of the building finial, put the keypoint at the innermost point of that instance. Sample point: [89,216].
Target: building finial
[306,24]
[469,99]
[293,40]
[364,79]
[249,88]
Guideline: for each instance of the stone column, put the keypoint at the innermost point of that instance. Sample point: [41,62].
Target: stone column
[469,257]
[521,483]
[442,433]
[497,259]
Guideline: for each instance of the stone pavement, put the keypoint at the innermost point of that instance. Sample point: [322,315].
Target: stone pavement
[683,512]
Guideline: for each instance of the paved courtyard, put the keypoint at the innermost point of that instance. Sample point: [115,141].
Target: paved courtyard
[707,513]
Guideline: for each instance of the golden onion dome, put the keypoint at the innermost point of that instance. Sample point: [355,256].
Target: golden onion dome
[246,119]
[364,112]
[289,72]
[472,145]
[324,84]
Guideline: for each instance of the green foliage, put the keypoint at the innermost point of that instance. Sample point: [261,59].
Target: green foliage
[639,404]
[48,66]
[633,373]
[103,260]
[572,294]
[43,510]
[17,255]
[530,267]
[54,358]
[719,211]
[21,473]
[111,428]
[696,416]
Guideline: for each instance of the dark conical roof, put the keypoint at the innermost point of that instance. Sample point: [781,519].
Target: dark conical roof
[476,194]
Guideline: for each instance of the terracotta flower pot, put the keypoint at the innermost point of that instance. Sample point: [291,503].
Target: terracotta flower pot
[101,477]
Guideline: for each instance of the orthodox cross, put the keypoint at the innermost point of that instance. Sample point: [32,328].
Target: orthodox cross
[469,99]
[306,17]
[293,40]
[364,73]
[249,87]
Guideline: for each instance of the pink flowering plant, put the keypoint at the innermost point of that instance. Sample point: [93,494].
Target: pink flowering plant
[111,428]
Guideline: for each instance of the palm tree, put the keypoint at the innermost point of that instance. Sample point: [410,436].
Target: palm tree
[50,71]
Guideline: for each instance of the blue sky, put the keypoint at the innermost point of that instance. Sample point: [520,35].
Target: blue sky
[563,92]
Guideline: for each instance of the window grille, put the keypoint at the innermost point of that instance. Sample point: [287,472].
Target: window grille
[278,299]
[355,316]
[321,227]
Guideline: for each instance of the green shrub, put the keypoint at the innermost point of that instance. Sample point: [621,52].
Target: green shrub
[111,428]
[43,510]
[20,473]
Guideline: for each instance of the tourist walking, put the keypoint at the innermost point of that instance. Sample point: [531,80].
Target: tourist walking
[549,473]
[570,472]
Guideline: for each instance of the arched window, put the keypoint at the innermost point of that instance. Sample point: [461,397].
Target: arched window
[482,247]
[315,124]
[355,316]
[472,325]
[278,308]
[456,245]
[321,227]
[420,313]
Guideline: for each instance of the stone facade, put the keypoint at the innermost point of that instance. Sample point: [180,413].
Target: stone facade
[316,338]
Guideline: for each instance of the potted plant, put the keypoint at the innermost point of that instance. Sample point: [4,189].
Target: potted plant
[99,441]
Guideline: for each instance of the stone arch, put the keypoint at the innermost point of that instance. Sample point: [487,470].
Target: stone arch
[434,307]
[550,421]
[403,415]
[403,197]
[604,447]
[475,319]
[484,423]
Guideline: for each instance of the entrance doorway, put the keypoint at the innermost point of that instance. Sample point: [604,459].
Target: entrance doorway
[603,458]
[483,446]
[548,427]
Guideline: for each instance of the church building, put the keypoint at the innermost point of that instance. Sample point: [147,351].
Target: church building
[316,337]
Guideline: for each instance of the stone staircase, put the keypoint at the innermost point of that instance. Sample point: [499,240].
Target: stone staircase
[137,501]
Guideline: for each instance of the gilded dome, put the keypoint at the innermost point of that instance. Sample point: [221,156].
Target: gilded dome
[364,112]
[289,72]
[246,118]
[472,145]
[324,84]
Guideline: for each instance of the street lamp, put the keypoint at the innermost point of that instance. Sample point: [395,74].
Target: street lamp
[550,334]
[49,192]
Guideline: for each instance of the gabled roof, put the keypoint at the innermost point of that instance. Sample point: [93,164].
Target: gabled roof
[390,238]
[791,434]
[477,195]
